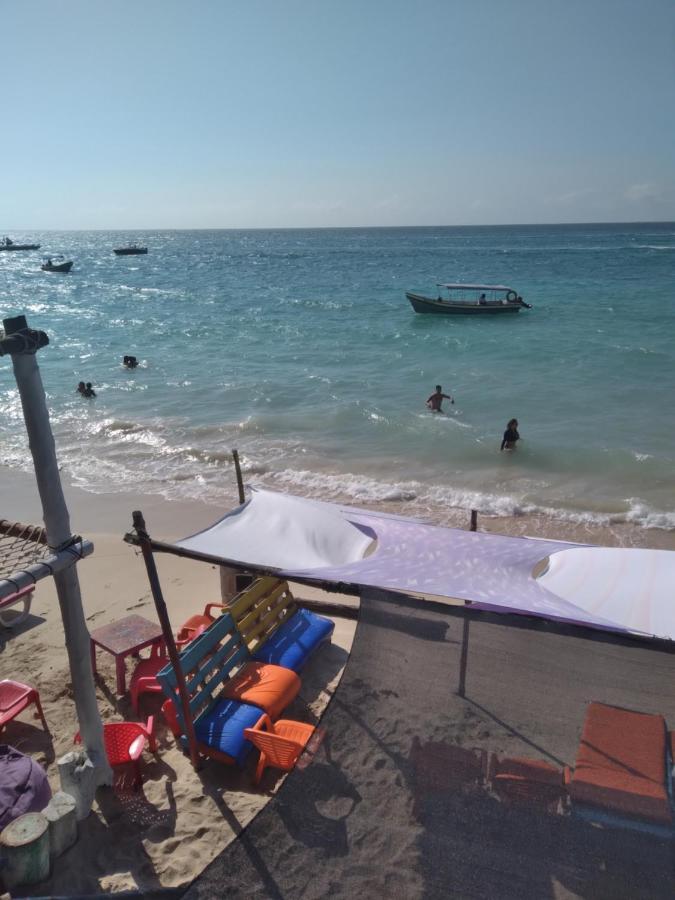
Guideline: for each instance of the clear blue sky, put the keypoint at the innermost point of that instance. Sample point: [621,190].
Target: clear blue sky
[257,113]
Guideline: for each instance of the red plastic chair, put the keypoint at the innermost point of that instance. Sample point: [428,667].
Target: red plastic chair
[196,624]
[280,743]
[125,742]
[7,604]
[144,677]
[14,698]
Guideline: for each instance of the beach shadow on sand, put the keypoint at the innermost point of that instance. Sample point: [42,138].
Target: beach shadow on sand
[9,634]
[30,739]
[401,806]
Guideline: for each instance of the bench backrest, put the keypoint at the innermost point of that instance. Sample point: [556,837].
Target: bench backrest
[260,609]
[207,663]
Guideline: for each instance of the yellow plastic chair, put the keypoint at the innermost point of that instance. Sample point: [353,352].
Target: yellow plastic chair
[280,743]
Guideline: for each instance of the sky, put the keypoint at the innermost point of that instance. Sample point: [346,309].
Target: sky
[310,113]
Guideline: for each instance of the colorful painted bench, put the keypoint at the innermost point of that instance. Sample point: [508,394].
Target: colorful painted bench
[227,691]
[274,628]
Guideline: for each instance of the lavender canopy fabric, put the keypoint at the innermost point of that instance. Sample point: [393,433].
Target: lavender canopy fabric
[307,539]
[23,785]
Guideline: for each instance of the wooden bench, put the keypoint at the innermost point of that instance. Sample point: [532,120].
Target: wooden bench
[274,628]
[227,691]
[621,768]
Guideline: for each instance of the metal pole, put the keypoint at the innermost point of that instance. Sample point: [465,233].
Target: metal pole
[240,480]
[464,656]
[160,606]
[22,343]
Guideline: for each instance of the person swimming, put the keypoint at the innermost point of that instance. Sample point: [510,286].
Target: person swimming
[89,391]
[436,400]
[130,362]
[81,388]
[510,435]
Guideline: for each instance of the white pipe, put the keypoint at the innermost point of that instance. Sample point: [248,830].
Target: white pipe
[45,568]
[57,525]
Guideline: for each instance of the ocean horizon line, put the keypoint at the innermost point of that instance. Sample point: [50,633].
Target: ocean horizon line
[239,228]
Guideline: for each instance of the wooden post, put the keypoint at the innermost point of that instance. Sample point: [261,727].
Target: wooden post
[240,481]
[464,656]
[228,584]
[23,343]
[162,613]
[228,576]
[474,521]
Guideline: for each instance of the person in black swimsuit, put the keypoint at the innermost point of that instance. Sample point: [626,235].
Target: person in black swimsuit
[510,436]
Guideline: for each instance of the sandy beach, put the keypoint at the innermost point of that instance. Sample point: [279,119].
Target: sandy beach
[166,834]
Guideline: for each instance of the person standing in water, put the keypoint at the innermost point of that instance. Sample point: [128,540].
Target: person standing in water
[436,400]
[510,435]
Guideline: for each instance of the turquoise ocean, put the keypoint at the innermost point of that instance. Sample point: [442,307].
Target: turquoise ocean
[300,348]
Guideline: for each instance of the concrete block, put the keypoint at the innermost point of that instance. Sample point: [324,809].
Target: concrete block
[62,818]
[79,779]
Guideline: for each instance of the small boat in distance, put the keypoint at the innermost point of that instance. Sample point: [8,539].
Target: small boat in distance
[57,264]
[8,244]
[130,250]
[469,300]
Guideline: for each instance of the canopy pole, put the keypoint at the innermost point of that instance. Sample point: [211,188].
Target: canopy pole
[22,343]
[240,480]
[146,549]
[228,575]
[464,656]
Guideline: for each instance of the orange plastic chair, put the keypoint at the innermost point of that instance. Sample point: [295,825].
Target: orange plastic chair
[280,743]
[14,698]
[125,742]
[144,677]
[197,623]
[524,780]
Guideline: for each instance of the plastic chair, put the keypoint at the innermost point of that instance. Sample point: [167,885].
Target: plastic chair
[196,624]
[9,618]
[144,677]
[14,698]
[524,780]
[280,743]
[125,742]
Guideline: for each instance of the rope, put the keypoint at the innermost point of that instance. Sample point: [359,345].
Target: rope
[25,341]
[21,546]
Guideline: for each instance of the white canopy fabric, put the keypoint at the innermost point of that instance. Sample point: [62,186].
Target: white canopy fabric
[633,586]
[627,591]
[284,532]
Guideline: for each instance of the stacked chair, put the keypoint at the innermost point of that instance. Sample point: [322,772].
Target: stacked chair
[241,672]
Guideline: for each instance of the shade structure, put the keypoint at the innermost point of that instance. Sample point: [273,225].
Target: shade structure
[285,532]
[331,544]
